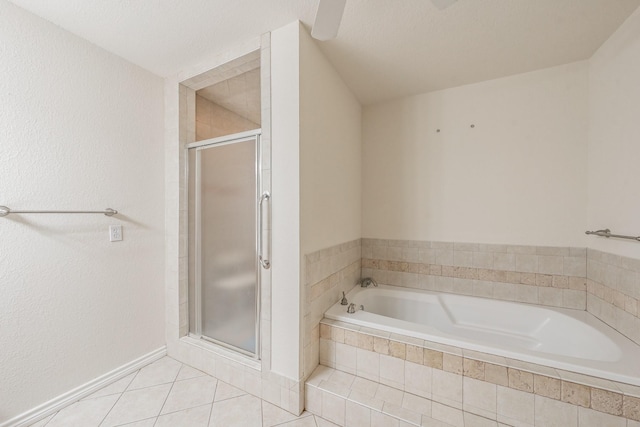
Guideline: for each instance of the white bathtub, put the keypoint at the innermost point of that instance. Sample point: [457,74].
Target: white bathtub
[565,339]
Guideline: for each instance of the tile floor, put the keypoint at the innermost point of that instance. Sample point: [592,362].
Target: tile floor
[168,393]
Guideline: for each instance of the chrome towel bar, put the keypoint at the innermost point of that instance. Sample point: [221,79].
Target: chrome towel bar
[607,233]
[4,211]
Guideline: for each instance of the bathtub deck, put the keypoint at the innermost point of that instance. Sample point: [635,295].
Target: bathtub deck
[376,375]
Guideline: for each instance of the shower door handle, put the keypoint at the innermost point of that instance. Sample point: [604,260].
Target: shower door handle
[265,263]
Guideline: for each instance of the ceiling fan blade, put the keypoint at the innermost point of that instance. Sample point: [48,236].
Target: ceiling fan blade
[328,17]
[443,4]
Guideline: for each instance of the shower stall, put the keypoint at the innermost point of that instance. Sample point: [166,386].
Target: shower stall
[226,208]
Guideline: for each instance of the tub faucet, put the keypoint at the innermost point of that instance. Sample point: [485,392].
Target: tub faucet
[344,301]
[365,283]
[352,308]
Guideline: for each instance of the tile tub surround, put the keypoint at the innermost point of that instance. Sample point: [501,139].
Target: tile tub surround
[553,276]
[411,379]
[328,273]
[613,291]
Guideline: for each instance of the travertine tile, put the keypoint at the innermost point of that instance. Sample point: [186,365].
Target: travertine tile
[606,401]
[451,363]
[547,386]
[496,374]
[520,380]
[631,408]
[414,354]
[576,394]
[397,349]
[473,368]
[433,358]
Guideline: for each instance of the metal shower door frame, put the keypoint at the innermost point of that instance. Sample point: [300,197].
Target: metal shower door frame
[260,196]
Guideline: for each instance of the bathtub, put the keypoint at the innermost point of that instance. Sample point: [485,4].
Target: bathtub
[571,340]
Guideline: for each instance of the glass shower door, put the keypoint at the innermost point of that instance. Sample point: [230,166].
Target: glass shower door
[224,272]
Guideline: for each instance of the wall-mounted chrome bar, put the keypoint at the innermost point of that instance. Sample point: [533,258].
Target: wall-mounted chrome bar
[265,263]
[4,211]
[607,233]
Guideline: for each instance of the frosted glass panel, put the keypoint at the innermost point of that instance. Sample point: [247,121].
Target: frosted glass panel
[225,243]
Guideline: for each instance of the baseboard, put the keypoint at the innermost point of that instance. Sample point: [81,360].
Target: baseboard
[54,405]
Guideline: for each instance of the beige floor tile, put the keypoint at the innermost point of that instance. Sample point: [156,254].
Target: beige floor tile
[240,411]
[309,421]
[159,372]
[192,417]
[321,422]
[84,413]
[113,388]
[272,415]
[225,391]
[43,421]
[187,372]
[190,393]
[137,405]
[149,422]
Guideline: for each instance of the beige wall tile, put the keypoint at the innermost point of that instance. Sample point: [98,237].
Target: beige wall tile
[357,415]
[451,416]
[591,418]
[333,408]
[418,379]
[446,387]
[553,413]
[479,397]
[515,406]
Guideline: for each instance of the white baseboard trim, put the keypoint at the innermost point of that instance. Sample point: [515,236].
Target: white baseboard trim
[57,403]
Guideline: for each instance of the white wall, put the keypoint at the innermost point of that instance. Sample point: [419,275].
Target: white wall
[285,186]
[79,129]
[517,177]
[614,142]
[316,156]
[330,153]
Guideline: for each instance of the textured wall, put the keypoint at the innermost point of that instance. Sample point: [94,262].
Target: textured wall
[79,129]
[614,91]
[517,177]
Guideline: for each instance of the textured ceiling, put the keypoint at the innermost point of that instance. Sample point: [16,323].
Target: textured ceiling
[385,48]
